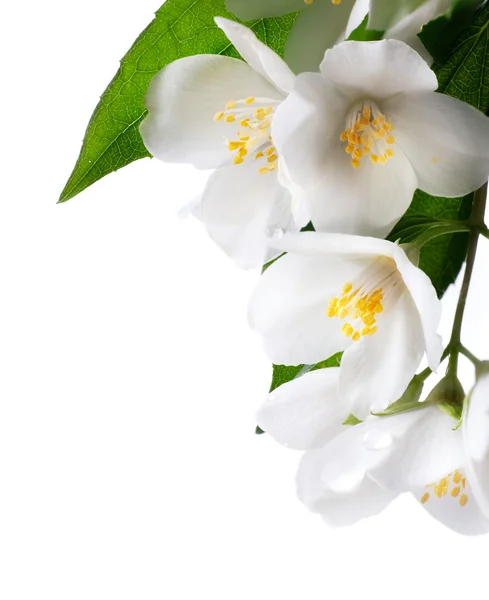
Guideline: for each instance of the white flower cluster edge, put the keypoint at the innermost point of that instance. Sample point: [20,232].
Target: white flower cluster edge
[344,144]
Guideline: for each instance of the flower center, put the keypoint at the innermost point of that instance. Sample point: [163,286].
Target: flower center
[254,116]
[362,302]
[454,485]
[368,133]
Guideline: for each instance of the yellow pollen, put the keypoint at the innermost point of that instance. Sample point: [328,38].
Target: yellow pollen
[455,491]
[360,306]
[447,487]
[255,124]
[367,135]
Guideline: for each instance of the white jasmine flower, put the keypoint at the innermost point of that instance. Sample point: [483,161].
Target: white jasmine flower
[352,472]
[216,112]
[362,135]
[420,452]
[307,414]
[336,292]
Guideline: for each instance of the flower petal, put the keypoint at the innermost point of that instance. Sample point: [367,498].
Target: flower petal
[310,243]
[306,125]
[377,70]
[240,206]
[248,10]
[359,12]
[337,509]
[476,440]
[386,13]
[406,30]
[444,139]
[457,509]
[316,29]
[260,57]
[428,306]
[376,370]
[368,201]
[305,413]
[423,449]
[288,307]
[182,101]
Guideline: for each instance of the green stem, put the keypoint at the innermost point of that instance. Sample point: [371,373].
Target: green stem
[438,230]
[467,353]
[476,223]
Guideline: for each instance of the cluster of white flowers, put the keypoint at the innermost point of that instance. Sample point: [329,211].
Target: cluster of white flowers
[341,136]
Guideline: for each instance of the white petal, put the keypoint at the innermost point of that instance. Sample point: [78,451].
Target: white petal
[248,10]
[429,307]
[337,509]
[240,207]
[311,243]
[315,30]
[182,101]
[369,200]
[306,127]
[288,307]
[407,29]
[377,70]
[305,413]
[424,448]
[358,14]
[386,13]
[376,370]
[260,57]
[462,518]
[444,139]
[476,441]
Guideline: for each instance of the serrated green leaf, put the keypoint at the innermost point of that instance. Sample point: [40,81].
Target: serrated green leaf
[362,34]
[180,28]
[438,35]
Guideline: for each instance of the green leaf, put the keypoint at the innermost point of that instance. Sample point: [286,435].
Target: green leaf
[282,373]
[181,28]
[465,72]
[362,34]
[438,35]
[443,257]
[351,420]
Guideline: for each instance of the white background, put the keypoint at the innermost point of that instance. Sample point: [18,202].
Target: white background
[129,379]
